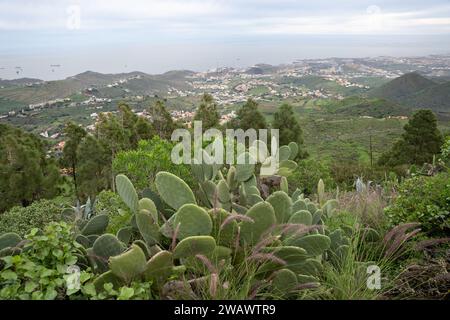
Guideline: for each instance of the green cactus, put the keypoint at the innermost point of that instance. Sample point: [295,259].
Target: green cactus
[10,251]
[128,265]
[314,244]
[297,195]
[210,190]
[159,267]
[310,267]
[263,216]
[192,220]
[191,246]
[84,241]
[245,167]
[299,205]
[284,153]
[292,257]
[9,240]
[107,245]
[107,277]
[173,190]
[223,192]
[224,235]
[282,204]
[124,234]
[293,146]
[96,225]
[288,164]
[317,216]
[321,192]
[141,244]
[148,205]
[231,178]
[311,207]
[284,186]
[148,229]
[127,192]
[330,207]
[302,279]
[301,217]
[284,281]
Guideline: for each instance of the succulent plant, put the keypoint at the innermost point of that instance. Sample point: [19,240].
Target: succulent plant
[128,265]
[96,225]
[173,190]
[127,192]
[263,218]
[192,220]
[191,246]
[282,205]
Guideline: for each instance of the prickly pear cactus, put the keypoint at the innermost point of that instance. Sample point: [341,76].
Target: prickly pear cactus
[173,190]
[263,218]
[192,220]
[194,245]
[96,225]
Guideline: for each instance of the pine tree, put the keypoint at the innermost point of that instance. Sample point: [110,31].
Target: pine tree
[289,128]
[207,113]
[74,136]
[249,117]
[420,141]
[161,120]
[94,169]
[26,173]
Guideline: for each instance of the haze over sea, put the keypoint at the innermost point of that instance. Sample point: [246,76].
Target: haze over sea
[155,36]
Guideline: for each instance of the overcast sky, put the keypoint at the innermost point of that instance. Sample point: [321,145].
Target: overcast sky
[157,35]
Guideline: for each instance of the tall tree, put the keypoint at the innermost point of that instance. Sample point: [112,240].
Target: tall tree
[289,128]
[420,141]
[94,170]
[74,136]
[26,173]
[161,120]
[207,113]
[249,117]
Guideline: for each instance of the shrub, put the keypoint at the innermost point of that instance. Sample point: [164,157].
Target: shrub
[142,165]
[22,219]
[110,203]
[425,200]
[308,174]
[40,271]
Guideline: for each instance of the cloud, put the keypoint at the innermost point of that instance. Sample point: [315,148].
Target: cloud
[231,17]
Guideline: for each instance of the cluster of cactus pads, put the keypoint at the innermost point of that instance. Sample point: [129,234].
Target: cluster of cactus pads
[178,234]
[233,218]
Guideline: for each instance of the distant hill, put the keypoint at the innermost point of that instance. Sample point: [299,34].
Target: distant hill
[376,108]
[136,82]
[402,87]
[436,98]
[18,82]
[416,92]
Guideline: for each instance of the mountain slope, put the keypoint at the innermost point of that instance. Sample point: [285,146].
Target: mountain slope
[401,88]
[136,82]
[436,98]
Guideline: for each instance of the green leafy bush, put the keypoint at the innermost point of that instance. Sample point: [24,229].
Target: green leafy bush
[22,219]
[425,200]
[308,174]
[110,203]
[41,270]
[142,165]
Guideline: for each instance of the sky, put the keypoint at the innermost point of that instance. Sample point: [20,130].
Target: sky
[155,36]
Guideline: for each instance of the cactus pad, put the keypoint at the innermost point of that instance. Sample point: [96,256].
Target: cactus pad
[173,190]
